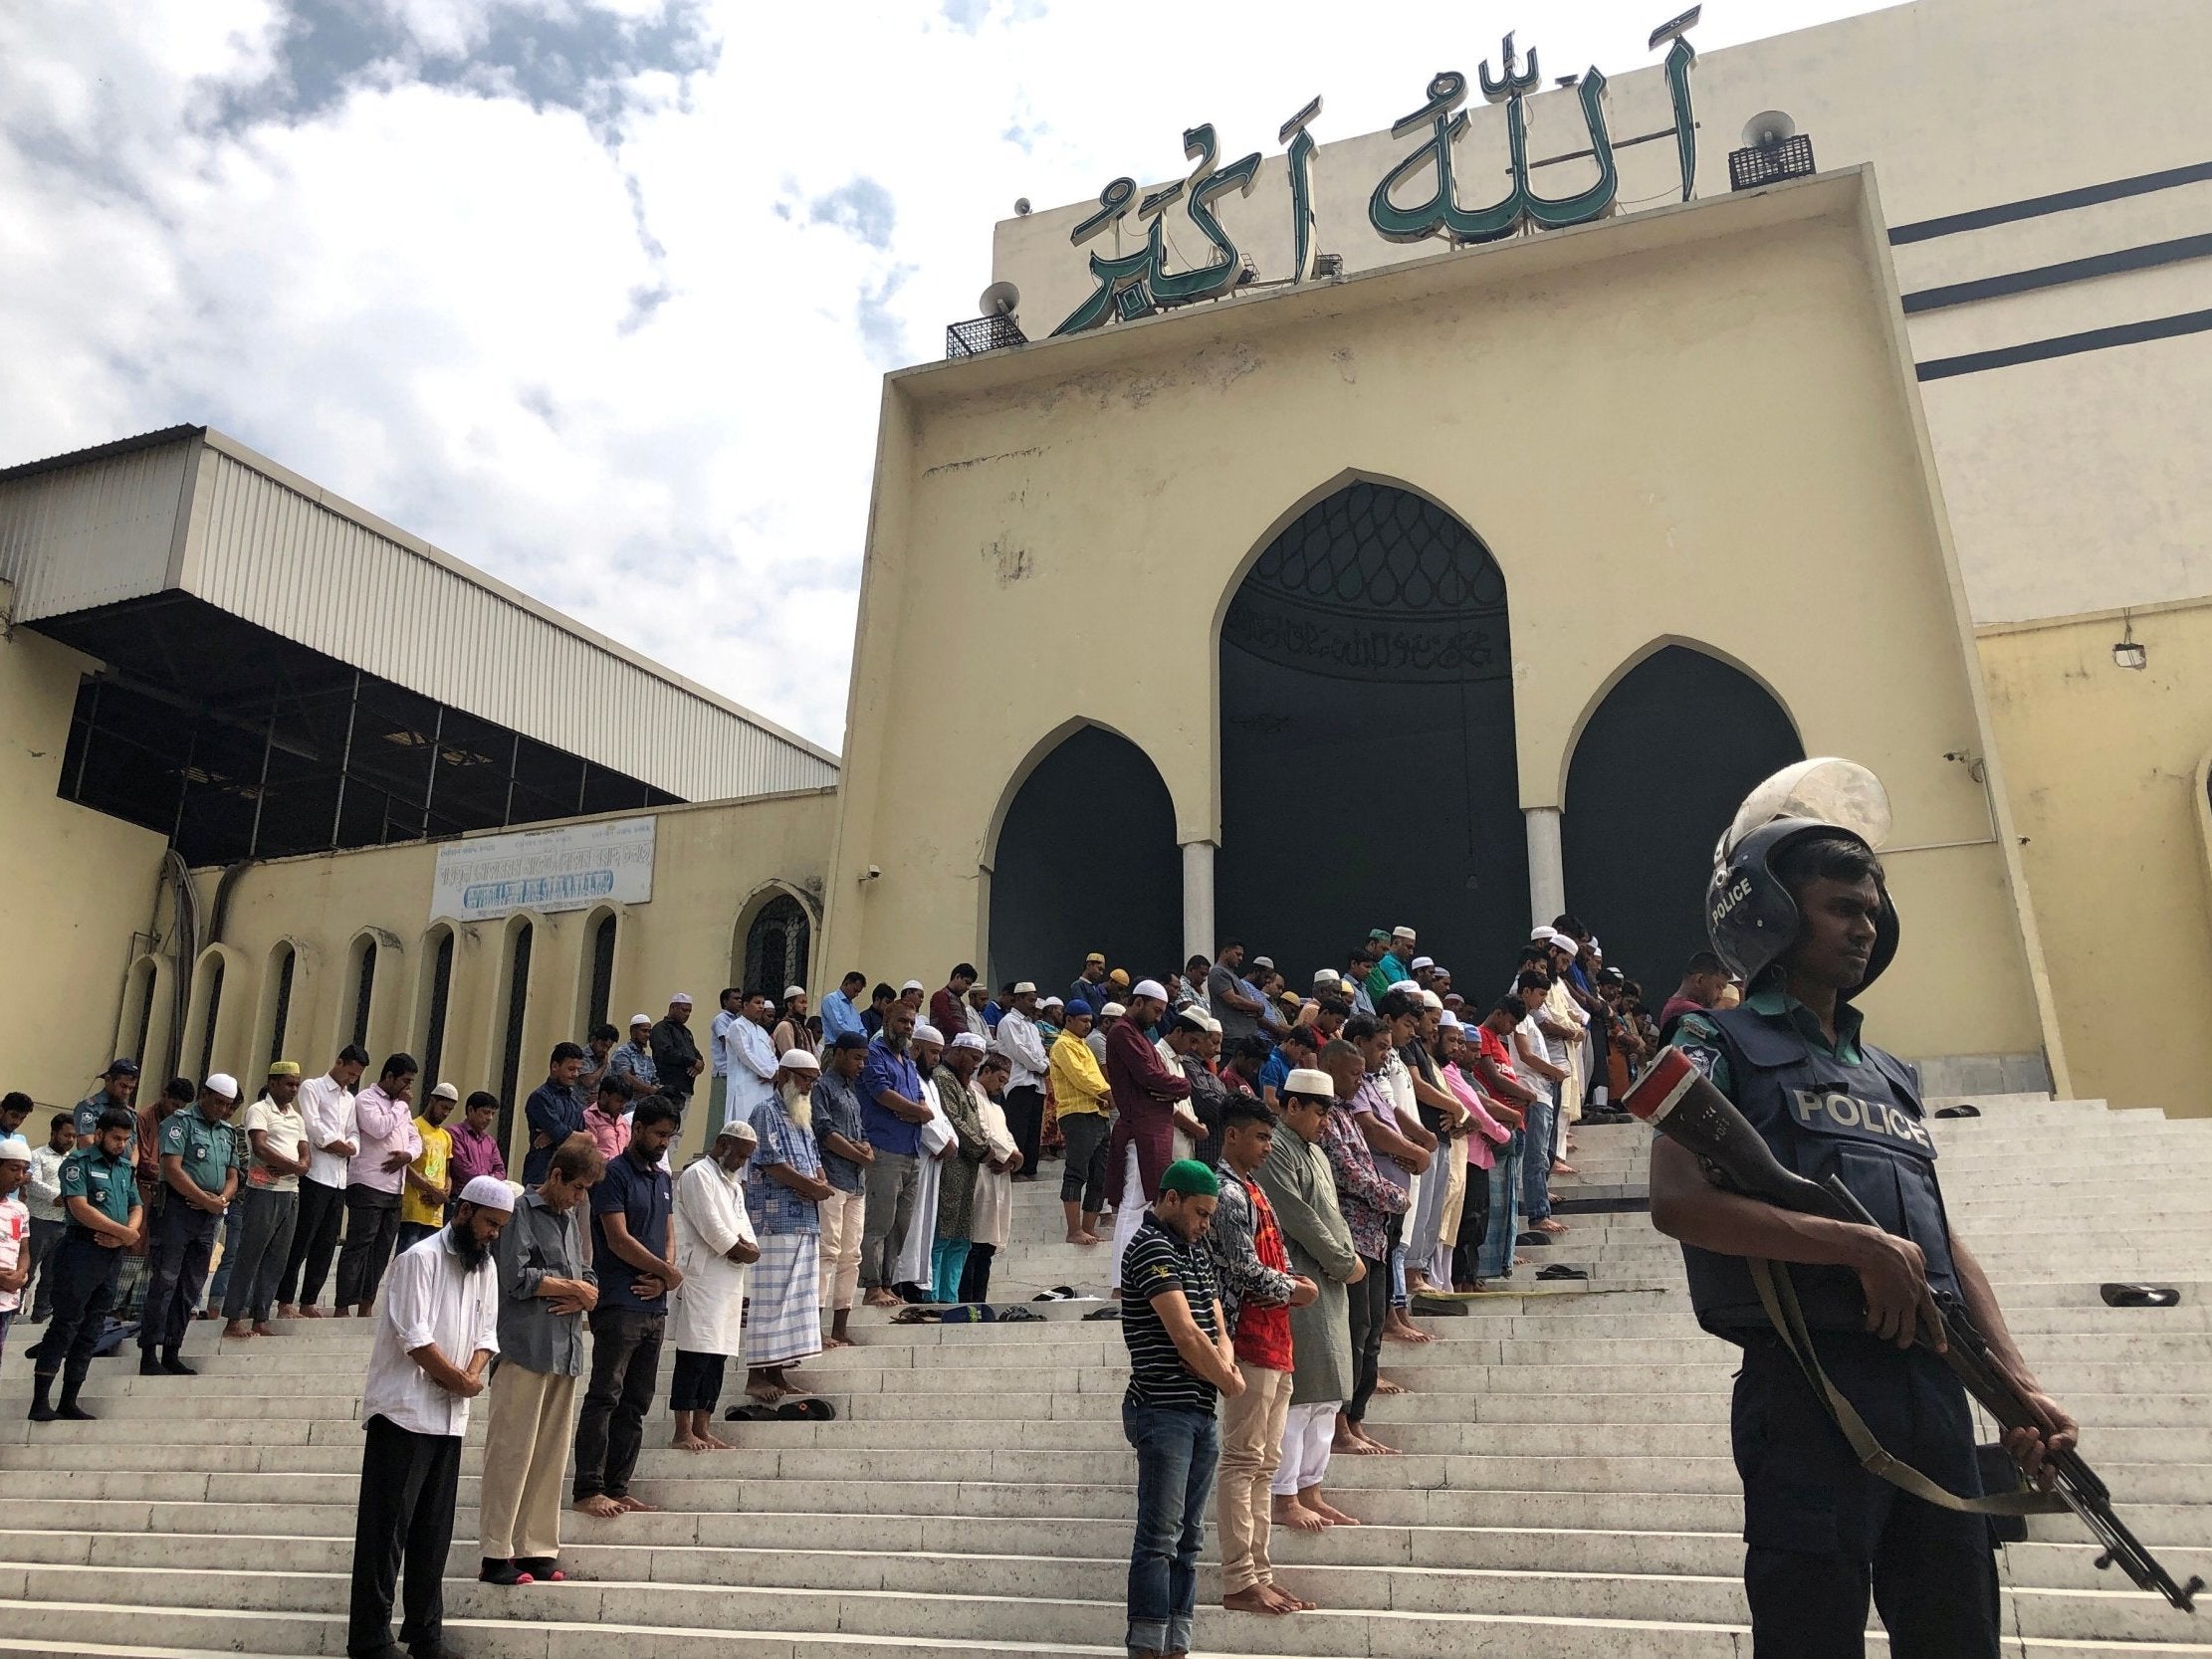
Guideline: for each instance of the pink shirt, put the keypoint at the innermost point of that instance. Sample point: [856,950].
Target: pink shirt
[1491,1134]
[610,1134]
[384,1126]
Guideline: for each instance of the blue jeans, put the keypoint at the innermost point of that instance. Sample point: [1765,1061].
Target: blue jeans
[1537,1144]
[1175,1454]
[946,1258]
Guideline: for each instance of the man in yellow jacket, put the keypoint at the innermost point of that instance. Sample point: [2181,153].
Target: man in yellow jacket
[1086,1116]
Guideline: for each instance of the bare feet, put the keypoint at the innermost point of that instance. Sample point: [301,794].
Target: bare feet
[237,1327]
[1560,1166]
[1350,1442]
[715,1443]
[601,1505]
[881,1298]
[1374,1446]
[836,1341]
[313,1313]
[635,1506]
[688,1443]
[1253,1600]
[1092,1238]
[1290,1511]
[1384,1385]
[287,1311]
[1286,1603]
[265,1328]
[1328,1512]
[1550,1224]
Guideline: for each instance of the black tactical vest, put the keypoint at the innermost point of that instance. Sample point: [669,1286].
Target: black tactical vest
[1823,1116]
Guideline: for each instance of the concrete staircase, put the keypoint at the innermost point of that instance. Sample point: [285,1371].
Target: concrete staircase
[1566,1490]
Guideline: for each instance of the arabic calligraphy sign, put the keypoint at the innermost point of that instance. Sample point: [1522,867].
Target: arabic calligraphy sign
[1136,284]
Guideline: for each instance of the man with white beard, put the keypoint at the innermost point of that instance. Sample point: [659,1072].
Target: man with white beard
[715,1250]
[784,1187]
[916,1264]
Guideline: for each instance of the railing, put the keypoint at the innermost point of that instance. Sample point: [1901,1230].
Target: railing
[982,334]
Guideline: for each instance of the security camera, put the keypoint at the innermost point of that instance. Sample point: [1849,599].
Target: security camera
[873,872]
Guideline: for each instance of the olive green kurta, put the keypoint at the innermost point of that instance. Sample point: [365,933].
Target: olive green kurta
[956,1191]
[1295,1176]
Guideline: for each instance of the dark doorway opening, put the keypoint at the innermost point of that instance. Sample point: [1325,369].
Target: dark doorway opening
[1367,741]
[1659,771]
[1087,861]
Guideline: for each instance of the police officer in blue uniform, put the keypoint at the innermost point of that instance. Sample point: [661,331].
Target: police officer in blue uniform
[1798,908]
[101,1201]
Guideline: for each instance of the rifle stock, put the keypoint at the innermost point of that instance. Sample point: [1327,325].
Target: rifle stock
[1679,1100]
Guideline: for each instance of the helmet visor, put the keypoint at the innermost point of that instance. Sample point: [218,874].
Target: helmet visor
[1825,790]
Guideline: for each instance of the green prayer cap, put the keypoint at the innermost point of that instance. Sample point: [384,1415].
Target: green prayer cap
[1191,1177]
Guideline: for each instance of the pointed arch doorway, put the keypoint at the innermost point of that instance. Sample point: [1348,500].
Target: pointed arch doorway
[1367,739]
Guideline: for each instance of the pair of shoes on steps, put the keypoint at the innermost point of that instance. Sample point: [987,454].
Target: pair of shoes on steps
[168,1364]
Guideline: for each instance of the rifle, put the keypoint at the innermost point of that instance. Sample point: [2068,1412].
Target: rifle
[1679,1100]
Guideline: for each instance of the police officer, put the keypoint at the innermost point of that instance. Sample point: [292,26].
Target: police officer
[101,1202]
[118,1085]
[1798,908]
[199,1168]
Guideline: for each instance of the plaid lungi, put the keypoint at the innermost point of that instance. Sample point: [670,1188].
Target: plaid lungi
[784,1306]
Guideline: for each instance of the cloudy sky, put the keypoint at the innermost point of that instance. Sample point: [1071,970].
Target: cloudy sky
[597,294]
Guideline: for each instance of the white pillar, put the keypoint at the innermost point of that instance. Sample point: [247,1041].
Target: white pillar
[1198,899]
[1547,867]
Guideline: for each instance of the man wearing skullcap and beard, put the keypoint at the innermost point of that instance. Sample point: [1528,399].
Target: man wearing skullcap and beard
[1181,1361]
[437,1330]
[716,1249]
[783,1188]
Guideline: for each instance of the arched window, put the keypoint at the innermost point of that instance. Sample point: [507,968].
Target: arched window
[510,1038]
[600,994]
[212,1012]
[436,998]
[777,946]
[281,1019]
[365,987]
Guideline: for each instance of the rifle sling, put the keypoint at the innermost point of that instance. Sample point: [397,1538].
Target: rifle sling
[1779,1297]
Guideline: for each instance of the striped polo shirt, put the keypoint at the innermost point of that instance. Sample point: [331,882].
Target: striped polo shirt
[1157,1262]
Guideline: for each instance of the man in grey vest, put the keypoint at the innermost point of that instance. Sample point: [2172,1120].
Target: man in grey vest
[1797,907]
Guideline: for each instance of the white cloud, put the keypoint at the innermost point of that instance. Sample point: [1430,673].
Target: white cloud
[597,293]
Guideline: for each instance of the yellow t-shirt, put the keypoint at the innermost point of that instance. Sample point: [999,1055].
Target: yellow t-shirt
[437,1147]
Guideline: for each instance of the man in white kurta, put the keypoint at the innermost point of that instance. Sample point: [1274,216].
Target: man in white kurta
[937,1138]
[714,1252]
[437,1328]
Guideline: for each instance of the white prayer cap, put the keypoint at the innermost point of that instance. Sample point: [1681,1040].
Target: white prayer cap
[928,1033]
[15,1149]
[223,1084]
[1212,1025]
[1404,985]
[1429,999]
[637,1020]
[1112,1010]
[736,1129]
[1594,951]
[1406,934]
[1309,1079]
[1025,988]
[1449,1021]
[799,1060]
[1052,1002]
[1421,963]
[445,1092]
[1263,962]
[682,999]
[1543,936]
[1326,976]
[968,1040]
[1152,988]
[910,985]
[489,1192]
[790,992]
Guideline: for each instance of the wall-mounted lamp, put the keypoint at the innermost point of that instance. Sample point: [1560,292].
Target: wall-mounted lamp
[2129,653]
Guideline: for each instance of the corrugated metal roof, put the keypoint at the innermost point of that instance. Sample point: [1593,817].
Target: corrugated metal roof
[193,510]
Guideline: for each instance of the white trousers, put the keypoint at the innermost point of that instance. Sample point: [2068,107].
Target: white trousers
[1306,1435]
[1129,1210]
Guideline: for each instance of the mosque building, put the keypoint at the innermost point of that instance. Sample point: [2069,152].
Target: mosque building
[1446,524]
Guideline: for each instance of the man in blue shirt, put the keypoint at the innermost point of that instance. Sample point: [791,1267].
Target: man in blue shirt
[892,1112]
[842,1008]
[631,1253]
[553,1112]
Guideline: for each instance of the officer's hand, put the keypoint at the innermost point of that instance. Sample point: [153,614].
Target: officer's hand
[2055,1432]
[1893,1274]
[108,1241]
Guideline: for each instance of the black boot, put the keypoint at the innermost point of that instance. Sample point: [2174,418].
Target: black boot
[42,1398]
[174,1365]
[149,1363]
[71,1411]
